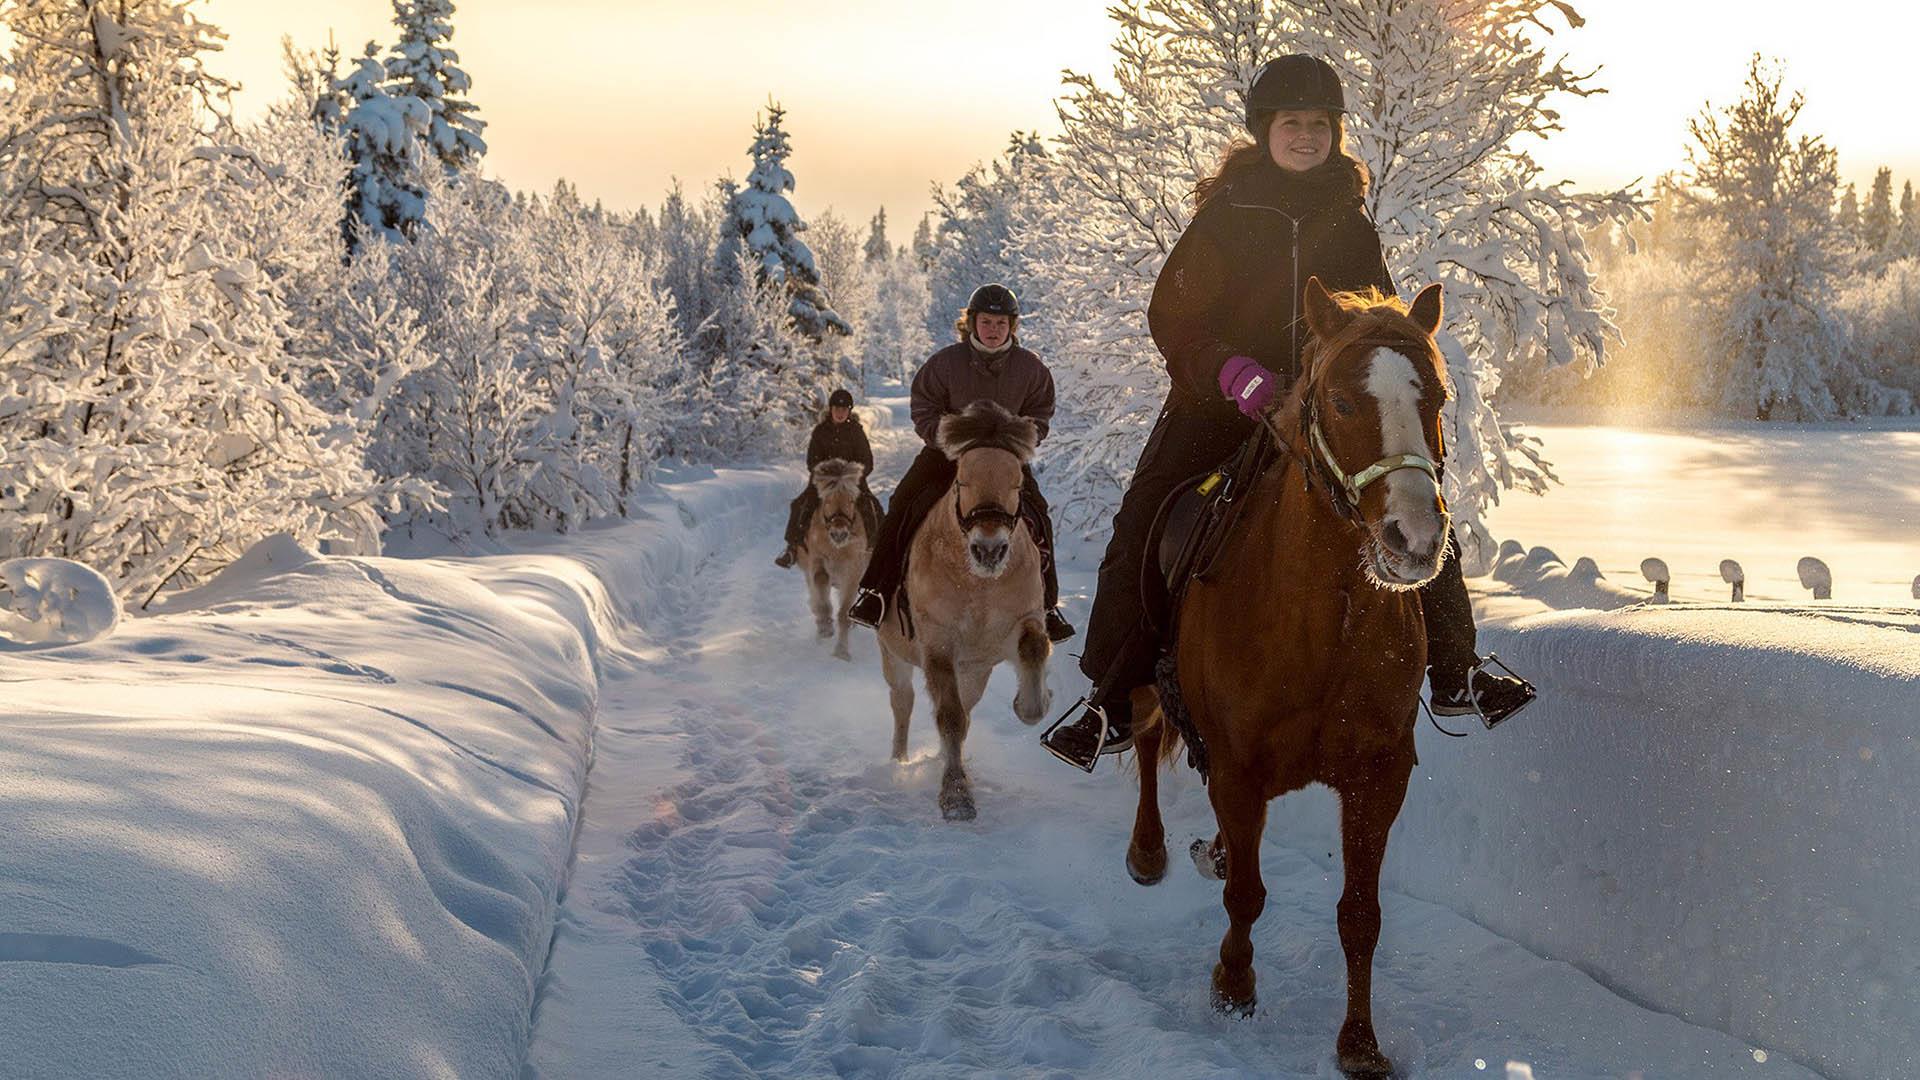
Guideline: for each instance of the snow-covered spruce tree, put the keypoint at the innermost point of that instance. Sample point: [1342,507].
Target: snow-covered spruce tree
[876,248]
[1445,96]
[763,229]
[1762,199]
[923,250]
[384,136]
[1876,218]
[1847,217]
[154,424]
[1907,235]
[424,66]
[971,236]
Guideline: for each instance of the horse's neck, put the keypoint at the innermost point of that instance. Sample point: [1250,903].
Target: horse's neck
[1313,546]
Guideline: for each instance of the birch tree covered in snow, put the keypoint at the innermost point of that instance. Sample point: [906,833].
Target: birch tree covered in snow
[152,421]
[1443,95]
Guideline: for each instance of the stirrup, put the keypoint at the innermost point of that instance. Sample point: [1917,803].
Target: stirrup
[1100,749]
[860,598]
[1473,697]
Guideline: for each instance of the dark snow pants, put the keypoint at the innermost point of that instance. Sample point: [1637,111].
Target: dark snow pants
[1186,441]
[918,492]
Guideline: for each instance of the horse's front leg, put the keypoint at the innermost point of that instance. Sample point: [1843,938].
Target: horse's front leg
[818,584]
[1031,651]
[1367,810]
[842,624]
[1240,806]
[1147,850]
[950,718]
[899,676]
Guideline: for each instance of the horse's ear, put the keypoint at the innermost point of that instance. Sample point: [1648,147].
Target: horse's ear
[1325,318]
[1425,311]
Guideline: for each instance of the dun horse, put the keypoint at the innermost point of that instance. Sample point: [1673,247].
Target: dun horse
[974,589]
[836,548]
[1300,658]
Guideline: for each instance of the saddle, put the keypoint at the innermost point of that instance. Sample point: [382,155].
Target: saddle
[1191,527]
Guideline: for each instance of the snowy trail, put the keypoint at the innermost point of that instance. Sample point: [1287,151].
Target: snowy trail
[758,891]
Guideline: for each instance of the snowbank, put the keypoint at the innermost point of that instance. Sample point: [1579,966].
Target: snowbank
[54,602]
[1711,810]
[313,820]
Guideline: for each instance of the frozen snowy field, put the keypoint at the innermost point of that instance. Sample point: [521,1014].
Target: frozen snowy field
[317,822]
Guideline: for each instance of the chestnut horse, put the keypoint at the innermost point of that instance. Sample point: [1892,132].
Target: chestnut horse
[1301,655]
[973,580]
[836,547]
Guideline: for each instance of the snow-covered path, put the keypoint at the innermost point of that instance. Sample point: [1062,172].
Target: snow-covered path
[758,891]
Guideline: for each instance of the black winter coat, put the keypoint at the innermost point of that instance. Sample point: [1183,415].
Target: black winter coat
[846,441]
[1235,283]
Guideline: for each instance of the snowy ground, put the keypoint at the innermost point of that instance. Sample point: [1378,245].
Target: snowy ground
[1761,494]
[758,891]
[316,821]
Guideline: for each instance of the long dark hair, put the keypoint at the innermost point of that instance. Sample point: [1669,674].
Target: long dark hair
[1243,159]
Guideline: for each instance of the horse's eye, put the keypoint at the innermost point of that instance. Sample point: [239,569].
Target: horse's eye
[1342,406]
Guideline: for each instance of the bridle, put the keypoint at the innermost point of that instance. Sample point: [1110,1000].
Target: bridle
[1345,488]
[987,514]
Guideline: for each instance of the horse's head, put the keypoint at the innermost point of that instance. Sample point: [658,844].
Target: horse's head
[838,482]
[1366,414]
[990,446]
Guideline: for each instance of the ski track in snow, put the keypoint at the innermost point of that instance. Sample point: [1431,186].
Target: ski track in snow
[759,891]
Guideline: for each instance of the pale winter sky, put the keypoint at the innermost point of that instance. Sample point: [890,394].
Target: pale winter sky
[886,96]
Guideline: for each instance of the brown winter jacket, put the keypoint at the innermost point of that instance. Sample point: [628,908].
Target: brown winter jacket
[1235,282]
[954,378]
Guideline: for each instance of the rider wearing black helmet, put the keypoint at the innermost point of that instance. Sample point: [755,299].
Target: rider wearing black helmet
[1227,317]
[838,435]
[987,362]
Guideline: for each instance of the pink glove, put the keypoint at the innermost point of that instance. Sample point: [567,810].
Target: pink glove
[1248,385]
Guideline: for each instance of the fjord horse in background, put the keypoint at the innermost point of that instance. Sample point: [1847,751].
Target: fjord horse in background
[973,594]
[1300,656]
[837,545]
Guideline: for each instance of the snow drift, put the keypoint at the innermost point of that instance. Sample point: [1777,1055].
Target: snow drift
[313,821]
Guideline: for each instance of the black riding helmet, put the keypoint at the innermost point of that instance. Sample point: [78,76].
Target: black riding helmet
[1297,81]
[994,299]
[840,399]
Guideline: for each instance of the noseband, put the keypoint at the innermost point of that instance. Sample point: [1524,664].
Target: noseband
[983,515]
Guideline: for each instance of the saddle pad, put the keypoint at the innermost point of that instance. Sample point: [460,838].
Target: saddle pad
[1190,529]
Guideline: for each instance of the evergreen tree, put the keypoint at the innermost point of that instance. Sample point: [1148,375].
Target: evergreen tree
[1847,218]
[384,134]
[762,230]
[1877,220]
[923,249]
[425,67]
[1907,244]
[876,247]
[972,242]
[1763,198]
[152,420]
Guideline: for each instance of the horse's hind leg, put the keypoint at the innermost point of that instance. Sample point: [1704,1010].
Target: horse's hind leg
[818,584]
[950,717]
[1147,850]
[1241,807]
[1031,701]
[899,676]
[1367,810]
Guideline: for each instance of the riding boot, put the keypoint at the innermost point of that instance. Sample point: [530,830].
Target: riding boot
[1461,684]
[1100,729]
[799,516]
[927,479]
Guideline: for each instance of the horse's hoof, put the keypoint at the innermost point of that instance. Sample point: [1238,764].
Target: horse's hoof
[1366,1065]
[1232,1009]
[1209,859]
[841,653]
[823,632]
[1149,868]
[959,808]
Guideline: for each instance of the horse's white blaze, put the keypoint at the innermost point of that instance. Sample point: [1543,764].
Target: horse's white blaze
[1411,497]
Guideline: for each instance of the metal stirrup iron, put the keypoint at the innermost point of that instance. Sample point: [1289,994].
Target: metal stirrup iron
[1074,711]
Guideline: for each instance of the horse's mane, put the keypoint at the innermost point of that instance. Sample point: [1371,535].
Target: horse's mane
[988,424]
[838,473]
[1376,317]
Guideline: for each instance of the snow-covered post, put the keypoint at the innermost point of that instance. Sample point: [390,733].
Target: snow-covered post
[1732,574]
[1916,586]
[1815,575]
[1655,570]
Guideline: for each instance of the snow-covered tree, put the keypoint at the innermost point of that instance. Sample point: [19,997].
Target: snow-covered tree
[762,230]
[1763,199]
[972,238]
[841,258]
[424,66]
[1907,235]
[877,249]
[1847,217]
[1876,220]
[1446,98]
[893,338]
[152,420]
[384,135]
[923,250]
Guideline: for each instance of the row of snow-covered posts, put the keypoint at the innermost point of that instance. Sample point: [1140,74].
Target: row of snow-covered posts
[1814,577]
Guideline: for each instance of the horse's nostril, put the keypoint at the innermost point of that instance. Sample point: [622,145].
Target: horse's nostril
[1395,537]
[988,554]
